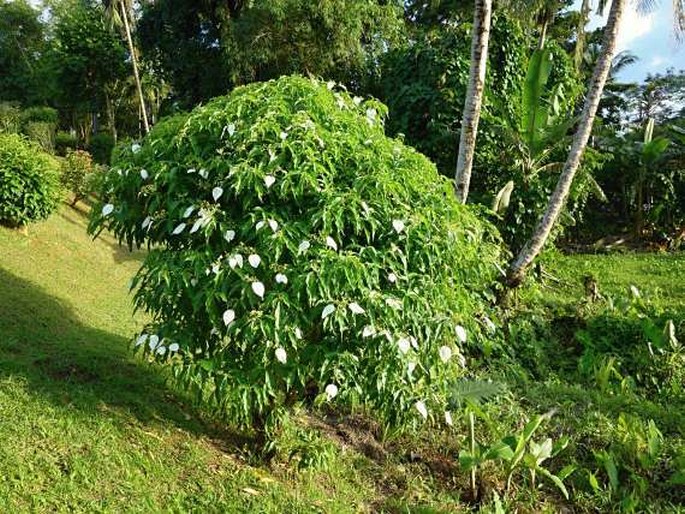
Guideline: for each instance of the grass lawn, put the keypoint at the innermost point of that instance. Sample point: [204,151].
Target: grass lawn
[86,427]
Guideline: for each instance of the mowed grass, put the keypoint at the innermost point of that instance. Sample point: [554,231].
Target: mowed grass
[86,427]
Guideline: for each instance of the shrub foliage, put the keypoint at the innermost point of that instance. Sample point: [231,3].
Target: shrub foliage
[77,170]
[298,254]
[29,181]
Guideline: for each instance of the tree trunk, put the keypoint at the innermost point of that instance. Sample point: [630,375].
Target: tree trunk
[530,251]
[474,97]
[134,63]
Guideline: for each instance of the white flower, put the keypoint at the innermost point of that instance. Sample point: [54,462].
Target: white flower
[414,342]
[355,308]
[461,333]
[492,328]
[403,344]
[281,356]
[173,347]
[269,181]
[394,303]
[235,260]
[398,225]
[331,391]
[258,289]
[259,226]
[445,353]
[281,278]
[179,228]
[107,209]
[229,316]
[154,341]
[217,192]
[146,222]
[298,333]
[283,136]
[368,331]
[161,350]
[304,246]
[392,278]
[254,260]
[188,211]
[331,243]
[144,174]
[411,366]
[196,226]
[327,311]
[230,128]
[141,339]
[273,224]
[203,173]
[229,235]
[448,418]
[135,148]
[635,291]
[421,407]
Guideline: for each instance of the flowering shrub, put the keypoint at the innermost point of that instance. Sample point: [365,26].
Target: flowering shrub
[77,168]
[29,182]
[298,254]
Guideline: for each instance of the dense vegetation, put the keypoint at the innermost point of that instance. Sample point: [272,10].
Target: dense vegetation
[311,294]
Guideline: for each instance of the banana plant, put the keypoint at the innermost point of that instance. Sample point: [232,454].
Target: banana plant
[652,151]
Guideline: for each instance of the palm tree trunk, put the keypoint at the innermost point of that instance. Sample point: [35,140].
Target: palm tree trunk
[134,63]
[530,251]
[474,97]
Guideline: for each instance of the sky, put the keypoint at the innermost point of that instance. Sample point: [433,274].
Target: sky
[650,37]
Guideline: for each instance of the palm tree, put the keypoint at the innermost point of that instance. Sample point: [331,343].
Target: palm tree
[117,12]
[474,97]
[532,248]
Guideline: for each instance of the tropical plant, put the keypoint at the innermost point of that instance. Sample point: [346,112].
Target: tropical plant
[297,253]
[29,182]
[77,167]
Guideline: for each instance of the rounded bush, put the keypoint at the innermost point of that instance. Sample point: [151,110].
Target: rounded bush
[29,181]
[77,169]
[298,254]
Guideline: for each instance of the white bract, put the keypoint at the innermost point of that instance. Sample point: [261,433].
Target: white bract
[414,342]
[492,328]
[229,235]
[298,333]
[461,333]
[283,136]
[217,192]
[398,225]
[188,211]
[173,347]
[141,339]
[445,353]
[258,289]
[411,366]
[161,350]
[366,208]
[403,344]
[146,222]
[144,174]
[259,226]
[635,291]
[230,128]
[235,260]
[355,308]
[203,173]
[421,407]
[269,181]
[107,209]
[229,316]
[331,391]
[193,282]
[273,224]
[154,341]
[368,331]
[254,260]
[281,355]
[179,228]
[327,311]
[135,148]
[281,278]
[191,170]
[304,246]
[448,418]
[392,278]
[330,242]
[394,303]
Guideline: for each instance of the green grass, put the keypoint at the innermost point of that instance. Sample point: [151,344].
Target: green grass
[87,427]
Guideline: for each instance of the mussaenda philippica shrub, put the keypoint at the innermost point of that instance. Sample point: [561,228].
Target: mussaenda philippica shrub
[29,181]
[299,255]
